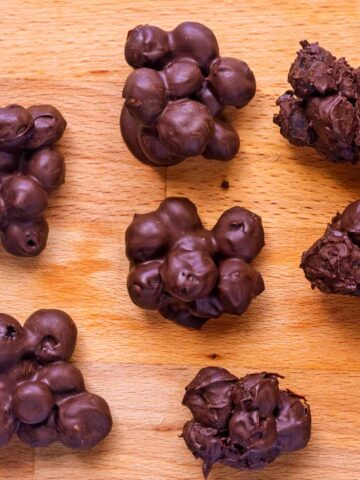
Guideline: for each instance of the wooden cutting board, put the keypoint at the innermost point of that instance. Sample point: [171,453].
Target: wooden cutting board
[70,54]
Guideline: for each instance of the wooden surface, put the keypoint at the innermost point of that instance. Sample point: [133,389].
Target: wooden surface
[70,54]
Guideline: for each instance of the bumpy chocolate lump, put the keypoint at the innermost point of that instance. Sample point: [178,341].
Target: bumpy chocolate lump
[187,272]
[30,169]
[332,264]
[323,109]
[175,96]
[43,398]
[244,423]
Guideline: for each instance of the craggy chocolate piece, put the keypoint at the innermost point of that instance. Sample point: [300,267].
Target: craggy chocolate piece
[42,396]
[323,110]
[332,264]
[244,423]
[30,169]
[188,273]
[175,96]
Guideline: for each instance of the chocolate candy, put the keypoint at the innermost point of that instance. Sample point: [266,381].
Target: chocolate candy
[323,110]
[332,264]
[188,273]
[30,169]
[175,96]
[42,396]
[244,423]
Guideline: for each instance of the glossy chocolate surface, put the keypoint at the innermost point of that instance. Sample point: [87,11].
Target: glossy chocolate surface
[332,263]
[30,169]
[323,110]
[175,96]
[189,273]
[43,398]
[244,423]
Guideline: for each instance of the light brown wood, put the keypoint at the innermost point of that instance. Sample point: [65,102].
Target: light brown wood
[70,54]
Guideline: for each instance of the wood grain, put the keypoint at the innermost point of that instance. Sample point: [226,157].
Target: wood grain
[71,54]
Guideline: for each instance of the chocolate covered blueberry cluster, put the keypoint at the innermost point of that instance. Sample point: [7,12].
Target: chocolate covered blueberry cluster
[332,264]
[244,423]
[323,109]
[43,398]
[191,274]
[30,169]
[176,95]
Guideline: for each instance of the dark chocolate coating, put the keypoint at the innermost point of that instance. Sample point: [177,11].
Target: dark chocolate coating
[188,273]
[332,263]
[49,126]
[30,169]
[16,124]
[244,423]
[42,396]
[175,96]
[322,110]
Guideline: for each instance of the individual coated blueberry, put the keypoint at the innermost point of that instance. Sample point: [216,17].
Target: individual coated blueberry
[185,127]
[238,284]
[145,286]
[239,233]
[146,237]
[32,402]
[83,420]
[144,93]
[62,378]
[51,335]
[196,41]
[293,422]
[188,275]
[182,78]
[209,397]
[49,126]
[180,213]
[147,46]
[47,166]
[224,144]
[24,198]
[25,238]
[16,124]
[232,81]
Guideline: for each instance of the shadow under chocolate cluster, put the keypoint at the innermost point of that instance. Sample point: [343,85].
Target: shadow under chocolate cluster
[30,169]
[332,264]
[244,423]
[175,96]
[43,398]
[190,273]
[323,109]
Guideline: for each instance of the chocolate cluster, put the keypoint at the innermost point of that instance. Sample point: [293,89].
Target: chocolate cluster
[30,169]
[332,264]
[323,109]
[43,398]
[244,423]
[191,274]
[175,96]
